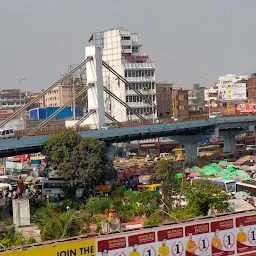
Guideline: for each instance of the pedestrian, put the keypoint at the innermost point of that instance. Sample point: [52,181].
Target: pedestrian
[20,187]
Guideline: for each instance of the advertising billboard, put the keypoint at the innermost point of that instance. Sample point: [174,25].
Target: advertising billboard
[245,108]
[233,234]
[232,92]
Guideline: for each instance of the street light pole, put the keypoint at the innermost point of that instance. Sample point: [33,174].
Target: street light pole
[153,114]
[74,100]
[21,117]
[209,103]
[152,97]
[20,88]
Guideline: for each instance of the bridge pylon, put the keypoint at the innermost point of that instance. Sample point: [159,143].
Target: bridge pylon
[95,92]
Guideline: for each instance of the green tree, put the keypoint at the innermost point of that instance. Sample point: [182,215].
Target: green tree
[98,205]
[166,170]
[202,195]
[78,160]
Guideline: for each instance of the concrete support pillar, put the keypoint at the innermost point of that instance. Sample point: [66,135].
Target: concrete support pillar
[95,93]
[229,140]
[190,143]
[111,151]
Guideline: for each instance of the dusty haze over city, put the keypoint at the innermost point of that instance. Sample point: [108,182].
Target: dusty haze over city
[190,41]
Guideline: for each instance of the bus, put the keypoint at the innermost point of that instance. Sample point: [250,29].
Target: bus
[230,185]
[53,187]
[148,182]
[208,150]
[247,186]
[179,154]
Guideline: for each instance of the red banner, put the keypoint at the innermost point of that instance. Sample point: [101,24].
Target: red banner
[112,244]
[245,108]
[140,239]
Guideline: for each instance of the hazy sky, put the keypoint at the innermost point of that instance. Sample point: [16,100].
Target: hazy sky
[187,39]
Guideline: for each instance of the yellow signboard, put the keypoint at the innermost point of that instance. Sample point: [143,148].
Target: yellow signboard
[81,248]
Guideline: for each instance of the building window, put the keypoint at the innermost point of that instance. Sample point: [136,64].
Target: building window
[127,98]
[129,73]
[126,47]
[181,97]
[125,73]
[133,73]
[181,108]
[126,38]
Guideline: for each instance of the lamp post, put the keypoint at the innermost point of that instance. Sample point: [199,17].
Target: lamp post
[21,118]
[152,96]
[74,100]
[23,79]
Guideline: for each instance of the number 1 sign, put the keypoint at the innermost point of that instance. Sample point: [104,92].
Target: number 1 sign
[223,237]
[197,239]
[171,242]
[246,233]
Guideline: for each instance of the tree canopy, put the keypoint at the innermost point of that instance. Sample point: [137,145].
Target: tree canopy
[202,195]
[79,160]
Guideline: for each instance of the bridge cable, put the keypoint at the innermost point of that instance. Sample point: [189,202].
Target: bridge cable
[132,87]
[60,109]
[84,118]
[7,120]
[124,104]
[111,118]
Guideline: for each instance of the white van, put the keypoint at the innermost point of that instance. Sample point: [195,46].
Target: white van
[6,133]
[102,128]
[215,114]
[251,147]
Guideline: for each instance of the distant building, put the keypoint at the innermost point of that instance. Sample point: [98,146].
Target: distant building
[164,99]
[251,88]
[211,97]
[59,95]
[232,89]
[180,103]
[12,99]
[196,99]
[122,51]
[231,78]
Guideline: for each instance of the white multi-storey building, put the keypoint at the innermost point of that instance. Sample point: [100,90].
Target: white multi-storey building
[231,78]
[122,52]
[211,97]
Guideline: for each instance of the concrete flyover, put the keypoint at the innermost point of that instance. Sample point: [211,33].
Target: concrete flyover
[188,132]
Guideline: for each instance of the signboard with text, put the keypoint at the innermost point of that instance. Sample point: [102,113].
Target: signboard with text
[115,246]
[245,108]
[218,236]
[232,92]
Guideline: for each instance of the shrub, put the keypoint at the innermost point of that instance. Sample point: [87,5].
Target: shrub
[153,219]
